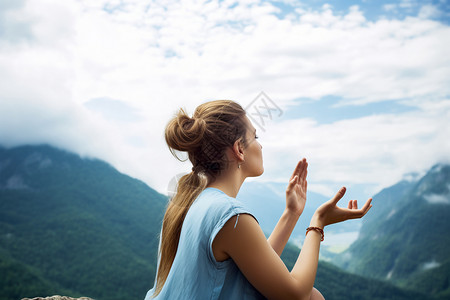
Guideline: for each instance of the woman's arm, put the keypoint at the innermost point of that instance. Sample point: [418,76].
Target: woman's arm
[260,264]
[246,244]
[282,231]
[295,203]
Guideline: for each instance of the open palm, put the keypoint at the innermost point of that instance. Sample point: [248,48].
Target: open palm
[296,190]
[329,213]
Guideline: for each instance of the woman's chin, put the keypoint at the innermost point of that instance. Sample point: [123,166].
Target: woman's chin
[257,173]
[260,172]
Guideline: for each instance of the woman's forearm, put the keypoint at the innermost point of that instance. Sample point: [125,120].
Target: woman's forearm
[282,231]
[305,268]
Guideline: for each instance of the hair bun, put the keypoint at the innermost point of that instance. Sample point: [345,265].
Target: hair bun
[184,133]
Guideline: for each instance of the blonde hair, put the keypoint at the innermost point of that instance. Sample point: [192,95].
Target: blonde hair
[214,127]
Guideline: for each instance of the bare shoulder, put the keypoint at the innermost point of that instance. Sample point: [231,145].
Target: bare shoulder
[242,240]
[237,226]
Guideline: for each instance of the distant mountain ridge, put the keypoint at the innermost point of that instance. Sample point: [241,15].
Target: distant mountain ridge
[406,238]
[78,227]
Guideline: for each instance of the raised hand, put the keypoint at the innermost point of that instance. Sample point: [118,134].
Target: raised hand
[296,190]
[329,213]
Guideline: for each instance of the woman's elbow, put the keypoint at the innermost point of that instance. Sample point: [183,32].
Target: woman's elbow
[313,294]
[296,293]
[301,294]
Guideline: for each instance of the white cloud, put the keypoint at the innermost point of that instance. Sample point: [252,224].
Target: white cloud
[376,149]
[437,199]
[391,213]
[443,198]
[157,57]
[429,11]
[390,7]
[431,265]
[407,3]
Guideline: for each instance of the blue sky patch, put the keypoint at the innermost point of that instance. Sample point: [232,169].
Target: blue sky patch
[373,10]
[328,109]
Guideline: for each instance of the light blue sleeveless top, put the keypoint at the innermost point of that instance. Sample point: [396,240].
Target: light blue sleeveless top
[195,273]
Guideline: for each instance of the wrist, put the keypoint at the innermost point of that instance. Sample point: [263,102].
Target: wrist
[317,229]
[316,222]
[291,213]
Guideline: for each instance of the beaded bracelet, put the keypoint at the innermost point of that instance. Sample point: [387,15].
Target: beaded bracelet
[315,228]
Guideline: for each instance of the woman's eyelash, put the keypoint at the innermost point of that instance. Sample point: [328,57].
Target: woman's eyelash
[256,136]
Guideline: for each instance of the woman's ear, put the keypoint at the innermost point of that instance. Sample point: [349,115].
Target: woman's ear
[238,150]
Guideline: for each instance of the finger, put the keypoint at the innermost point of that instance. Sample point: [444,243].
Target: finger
[298,168]
[355,204]
[304,169]
[359,213]
[302,176]
[365,212]
[349,204]
[367,205]
[339,195]
[292,183]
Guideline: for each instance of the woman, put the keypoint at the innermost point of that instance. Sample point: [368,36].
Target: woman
[211,246]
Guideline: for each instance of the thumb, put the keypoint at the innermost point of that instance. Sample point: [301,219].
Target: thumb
[292,182]
[339,195]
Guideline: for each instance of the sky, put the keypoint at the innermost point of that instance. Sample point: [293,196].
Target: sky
[359,88]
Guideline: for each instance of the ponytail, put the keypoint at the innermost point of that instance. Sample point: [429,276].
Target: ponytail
[189,187]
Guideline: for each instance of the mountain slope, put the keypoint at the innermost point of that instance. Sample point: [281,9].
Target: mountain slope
[336,284]
[18,278]
[407,239]
[84,226]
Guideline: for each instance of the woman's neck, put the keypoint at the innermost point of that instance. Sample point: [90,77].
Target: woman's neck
[228,182]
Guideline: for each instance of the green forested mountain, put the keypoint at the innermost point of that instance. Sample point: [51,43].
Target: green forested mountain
[405,240]
[78,227]
[73,225]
